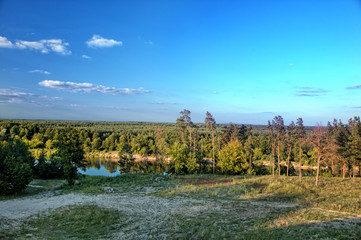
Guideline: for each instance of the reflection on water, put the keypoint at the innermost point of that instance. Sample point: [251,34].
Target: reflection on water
[106,167]
[101,167]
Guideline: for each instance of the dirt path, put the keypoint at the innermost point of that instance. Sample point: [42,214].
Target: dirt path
[147,213]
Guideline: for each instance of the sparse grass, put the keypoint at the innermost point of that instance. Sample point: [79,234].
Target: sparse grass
[76,222]
[208,207]
[332,193]
[125,183]
[35,187]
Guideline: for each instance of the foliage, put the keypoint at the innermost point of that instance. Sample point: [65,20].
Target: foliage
[179,154]
[232,159]
[70,150]
[51,169]
[126,162]
[15,166]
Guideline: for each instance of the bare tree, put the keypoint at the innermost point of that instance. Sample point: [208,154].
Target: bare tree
[318,140]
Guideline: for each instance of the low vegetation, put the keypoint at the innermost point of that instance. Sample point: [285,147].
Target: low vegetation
[151,206]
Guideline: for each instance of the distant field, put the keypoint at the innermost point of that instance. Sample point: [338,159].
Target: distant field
[135,206]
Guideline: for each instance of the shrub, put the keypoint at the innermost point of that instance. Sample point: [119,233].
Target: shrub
[232,159]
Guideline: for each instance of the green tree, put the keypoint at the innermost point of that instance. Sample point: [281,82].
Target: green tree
[232,159]
[15,166]
[354,144]
[70,150]
[179,154]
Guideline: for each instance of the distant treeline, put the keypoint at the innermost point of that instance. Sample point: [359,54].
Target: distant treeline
[335,149]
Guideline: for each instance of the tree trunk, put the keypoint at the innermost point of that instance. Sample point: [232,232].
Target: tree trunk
[278,154]
[214,159]
[250,163]
[318,167]
[300,156]
[332,168]
[288,160]
[344,170]
[273,161]
[201,156]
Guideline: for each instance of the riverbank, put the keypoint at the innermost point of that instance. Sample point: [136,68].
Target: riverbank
[183,207]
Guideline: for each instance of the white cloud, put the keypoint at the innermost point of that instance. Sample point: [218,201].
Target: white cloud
[43,46]
[98,42]
[5,43]
[89,87]
[39,71]
[85,56]
[14,96]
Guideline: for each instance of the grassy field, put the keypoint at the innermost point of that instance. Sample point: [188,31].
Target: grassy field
[195,207]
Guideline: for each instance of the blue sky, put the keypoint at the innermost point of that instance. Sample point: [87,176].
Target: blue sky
[243,61]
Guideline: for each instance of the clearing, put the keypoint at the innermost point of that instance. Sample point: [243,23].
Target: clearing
[134,206]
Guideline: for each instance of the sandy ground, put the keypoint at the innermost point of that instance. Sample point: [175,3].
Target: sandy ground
[147,213]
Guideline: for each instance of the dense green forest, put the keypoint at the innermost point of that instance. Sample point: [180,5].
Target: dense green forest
[189,148]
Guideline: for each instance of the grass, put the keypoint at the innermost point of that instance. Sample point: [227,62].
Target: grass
[333,193]
[76,222]
[206,207]
[35,187]
[126,183]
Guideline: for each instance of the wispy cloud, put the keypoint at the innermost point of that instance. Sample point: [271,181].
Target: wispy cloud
[164,103]
[99,42]
[86,56]
[89,87]
[43,46]
[39,71]
[309,92]
[14,96]
[354,87]
[291,64]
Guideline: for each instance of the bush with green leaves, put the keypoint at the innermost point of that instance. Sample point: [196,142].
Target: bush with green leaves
[15,166]
[232,159]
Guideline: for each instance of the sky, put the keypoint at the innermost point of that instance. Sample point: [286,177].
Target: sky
[243,61]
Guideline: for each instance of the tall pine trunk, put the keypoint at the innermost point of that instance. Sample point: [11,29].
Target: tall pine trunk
[300,165]
[278,154]
[250,163]
[318,167]
[214,158]
[288,160]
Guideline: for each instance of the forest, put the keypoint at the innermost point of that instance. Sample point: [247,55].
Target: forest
[185,147]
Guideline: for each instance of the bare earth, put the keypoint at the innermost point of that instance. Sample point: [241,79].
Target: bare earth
[147,213]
